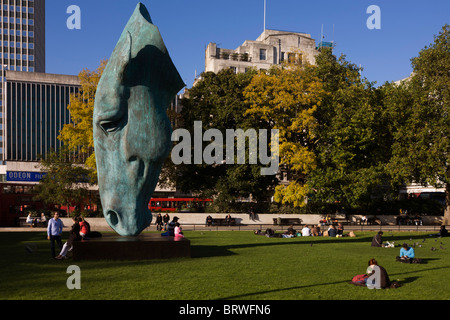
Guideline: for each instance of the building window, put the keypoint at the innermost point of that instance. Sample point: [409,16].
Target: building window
[291,57]
[262,54]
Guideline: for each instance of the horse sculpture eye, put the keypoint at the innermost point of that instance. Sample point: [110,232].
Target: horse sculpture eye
[109,126]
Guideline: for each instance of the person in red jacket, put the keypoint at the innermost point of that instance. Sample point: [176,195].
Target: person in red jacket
[84,228]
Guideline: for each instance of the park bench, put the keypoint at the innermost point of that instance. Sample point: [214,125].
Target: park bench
[370,221]
[287,221]
[23,223]
[343,221]
[223,222]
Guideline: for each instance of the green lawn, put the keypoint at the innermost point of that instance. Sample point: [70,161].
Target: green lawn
[236,265]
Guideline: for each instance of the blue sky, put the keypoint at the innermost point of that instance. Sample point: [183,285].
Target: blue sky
[187,26]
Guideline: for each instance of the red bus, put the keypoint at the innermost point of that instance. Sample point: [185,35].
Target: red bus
[180,204]
[15,201]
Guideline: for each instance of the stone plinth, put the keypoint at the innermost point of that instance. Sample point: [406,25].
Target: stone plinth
[142,247]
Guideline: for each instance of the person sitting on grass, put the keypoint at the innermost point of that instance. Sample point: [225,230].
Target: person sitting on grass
[340,230]
[171,228]
[74,235]
[316,231]
[377,239]
[306,231]
[332,231]
[178,232]
[383,277]
[406,254]
[85,228]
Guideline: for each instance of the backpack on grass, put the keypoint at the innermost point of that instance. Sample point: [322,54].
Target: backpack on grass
[360,279]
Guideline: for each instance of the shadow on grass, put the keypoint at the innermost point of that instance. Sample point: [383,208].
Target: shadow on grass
[402,282]
[409,280]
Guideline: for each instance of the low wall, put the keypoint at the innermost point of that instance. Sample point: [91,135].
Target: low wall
[242,218]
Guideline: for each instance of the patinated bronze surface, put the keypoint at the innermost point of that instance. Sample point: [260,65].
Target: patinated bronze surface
[132,133]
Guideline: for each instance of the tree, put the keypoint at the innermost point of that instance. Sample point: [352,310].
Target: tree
[286,98]
[217,102]
[420,110]
[65,181]
[78,135]
[353,140]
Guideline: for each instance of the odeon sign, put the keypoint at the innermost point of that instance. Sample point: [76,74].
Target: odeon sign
[24,176]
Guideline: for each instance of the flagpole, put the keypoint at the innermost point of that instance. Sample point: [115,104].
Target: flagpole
[264,15]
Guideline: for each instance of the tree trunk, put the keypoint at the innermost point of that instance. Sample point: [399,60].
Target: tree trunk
[447,204]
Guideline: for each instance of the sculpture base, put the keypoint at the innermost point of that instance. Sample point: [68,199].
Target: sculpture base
[142,247]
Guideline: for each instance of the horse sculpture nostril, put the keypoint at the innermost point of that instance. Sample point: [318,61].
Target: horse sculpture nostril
[113,217]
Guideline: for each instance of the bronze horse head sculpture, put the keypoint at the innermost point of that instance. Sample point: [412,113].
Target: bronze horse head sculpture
[132,133]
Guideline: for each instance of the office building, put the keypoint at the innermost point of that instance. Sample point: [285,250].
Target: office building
[35,110]
[23,35]
[22,45]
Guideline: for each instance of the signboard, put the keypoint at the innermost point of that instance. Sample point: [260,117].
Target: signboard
[24,176]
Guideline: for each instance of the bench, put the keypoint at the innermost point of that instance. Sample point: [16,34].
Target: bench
[369,221]
[287,221]
[23,223]
[223,222]
[343,221]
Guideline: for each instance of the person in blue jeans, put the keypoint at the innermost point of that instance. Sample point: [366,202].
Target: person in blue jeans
[54,232]
[406,254]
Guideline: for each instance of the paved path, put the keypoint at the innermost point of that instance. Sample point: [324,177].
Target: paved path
[249,227]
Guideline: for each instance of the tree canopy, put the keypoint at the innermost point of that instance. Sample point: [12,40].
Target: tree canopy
[420,114]
[66,180]
[217,102]
[353,142]
[78,135]
[285,98]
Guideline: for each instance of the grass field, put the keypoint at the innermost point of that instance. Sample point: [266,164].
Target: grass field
[234,265]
